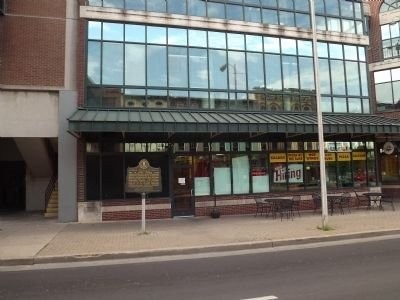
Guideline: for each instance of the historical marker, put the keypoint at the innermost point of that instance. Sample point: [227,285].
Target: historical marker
[143,178]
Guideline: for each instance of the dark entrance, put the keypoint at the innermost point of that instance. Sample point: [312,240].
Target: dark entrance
[12,185]
[182,187]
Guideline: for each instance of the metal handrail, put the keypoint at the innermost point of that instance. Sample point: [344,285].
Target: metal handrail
[49,189]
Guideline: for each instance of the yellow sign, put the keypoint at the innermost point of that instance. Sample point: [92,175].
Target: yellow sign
[295,157]
[343,156]
[359,156]
[277,157]
[330,156]
[311,156]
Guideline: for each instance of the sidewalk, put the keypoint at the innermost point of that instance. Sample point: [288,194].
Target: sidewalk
[28,239]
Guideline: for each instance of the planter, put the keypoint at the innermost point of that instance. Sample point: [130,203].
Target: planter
[215,213]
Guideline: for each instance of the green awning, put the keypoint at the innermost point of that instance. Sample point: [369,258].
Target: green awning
[179,121]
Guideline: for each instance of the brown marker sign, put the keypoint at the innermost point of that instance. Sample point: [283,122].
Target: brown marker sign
[143,178]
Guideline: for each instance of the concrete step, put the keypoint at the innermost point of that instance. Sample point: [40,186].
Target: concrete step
[50,214]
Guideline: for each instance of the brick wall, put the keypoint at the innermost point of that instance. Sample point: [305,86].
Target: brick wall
[32,43]
[375,49]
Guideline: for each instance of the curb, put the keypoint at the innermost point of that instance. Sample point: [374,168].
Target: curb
[194,250]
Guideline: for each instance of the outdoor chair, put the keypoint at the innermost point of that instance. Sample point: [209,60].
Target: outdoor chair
[316,197]
[296,204]
[262,206]
[361,199]
[387,199]
[346,201]
[285,208]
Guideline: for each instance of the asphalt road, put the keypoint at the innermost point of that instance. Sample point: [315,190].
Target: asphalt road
[368,270]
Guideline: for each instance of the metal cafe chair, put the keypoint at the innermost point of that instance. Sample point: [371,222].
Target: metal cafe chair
[387,199]
[262,206]
[345,201]
[361,199]
[285,208]
[316,197]
[296,204]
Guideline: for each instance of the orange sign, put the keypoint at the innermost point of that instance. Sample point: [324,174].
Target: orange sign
[277,157]
[295,157]
[330,156]
[359,156]
[311,156]
[343,156]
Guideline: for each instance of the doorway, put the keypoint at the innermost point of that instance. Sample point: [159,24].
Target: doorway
[12,186]
[182,189]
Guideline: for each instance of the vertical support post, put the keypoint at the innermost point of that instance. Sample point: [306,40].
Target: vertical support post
[143,212]
[324,201]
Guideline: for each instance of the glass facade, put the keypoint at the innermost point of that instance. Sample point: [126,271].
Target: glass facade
[228,168]
[387,89]
[388,5]
[335,15]
[136,66]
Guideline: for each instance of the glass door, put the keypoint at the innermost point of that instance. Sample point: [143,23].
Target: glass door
[183,199]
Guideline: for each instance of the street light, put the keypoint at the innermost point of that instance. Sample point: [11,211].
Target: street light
[224,67]
[324,201]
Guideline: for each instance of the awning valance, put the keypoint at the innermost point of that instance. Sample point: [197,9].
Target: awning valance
[178,121]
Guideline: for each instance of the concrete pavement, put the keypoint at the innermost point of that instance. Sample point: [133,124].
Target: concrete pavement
[31,239]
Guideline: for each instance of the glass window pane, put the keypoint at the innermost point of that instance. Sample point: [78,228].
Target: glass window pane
[335,51]
[234,12]
[156,35]
[198,70]
[255,71]
[288,46]
[135,4]
[355,106]
[366,106]
[271,45]
[112,177]
[235,41]
[306,68]
[385,32]
[95,2]
[291,103]
[177,67]
[270,16]
[274,102]
[157,5]
[113,31]
[320,7]
[324,76]
[321,23]
[308,103]
[332,7]
[364,79]
[339,105]
[112,69]
[135,64]
[361,53]
[93,63]
[357,10]
[219,100]
[273,72]
[303,20]
[113,3]
[94,96]
[222,174]
[112,97]
[252,14]
[326,104]
[199,100]
[254,43]
[197,8]
[338,81]
[241,174]
[216,40]
[353,78]
[259,173]
[288,4]
[94,30]
[322,49]
[384,93]
[177,36]
[394,30]
[304,47]
[197,38]
[177,7]
[286,18]
[346,9]
[256,102]
[269,3]
[395,74]
[135,33]
[302,5]
[396,94]
[156,65]
[382,76]
[237,70]
[136,98]
[178,98]
[333,24]
[218,79]
[348,26]
[216,10]
[290,72]
[359,27]
[202,175]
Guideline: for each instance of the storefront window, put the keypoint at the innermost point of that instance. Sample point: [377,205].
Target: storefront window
[222,174]
[201,175]
[371,168]
[345,176]
[259,173]
[389,168]
[240,174]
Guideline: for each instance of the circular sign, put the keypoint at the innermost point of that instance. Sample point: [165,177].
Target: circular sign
[388,148]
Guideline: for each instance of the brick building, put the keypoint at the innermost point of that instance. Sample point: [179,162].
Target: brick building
[220,95]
